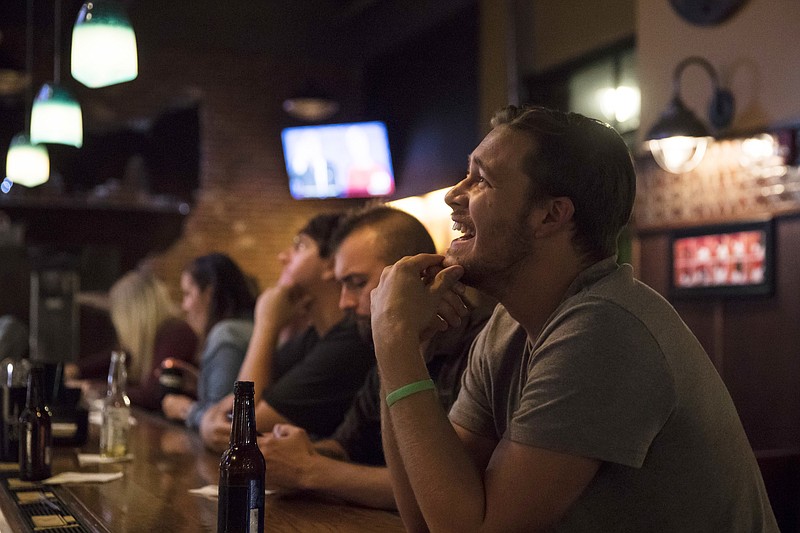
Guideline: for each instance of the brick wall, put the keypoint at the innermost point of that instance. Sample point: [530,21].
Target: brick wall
[243,207]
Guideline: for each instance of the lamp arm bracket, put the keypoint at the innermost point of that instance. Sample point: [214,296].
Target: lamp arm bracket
[676,75]
[721,107]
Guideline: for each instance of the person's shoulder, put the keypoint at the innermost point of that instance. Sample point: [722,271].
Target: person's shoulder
[502,335]
[501,324]
[231,330]
[619,296]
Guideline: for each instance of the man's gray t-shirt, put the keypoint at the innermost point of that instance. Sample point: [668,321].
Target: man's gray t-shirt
[615,375]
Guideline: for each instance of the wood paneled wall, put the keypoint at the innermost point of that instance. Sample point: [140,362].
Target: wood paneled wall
[753,342]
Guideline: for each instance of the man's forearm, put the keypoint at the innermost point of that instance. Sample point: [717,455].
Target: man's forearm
[257,362]
[267,417]
[445,481]
[364,485]
[403,493]
[331,448]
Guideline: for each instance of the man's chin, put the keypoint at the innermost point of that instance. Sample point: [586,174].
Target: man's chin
[468,277]
[364,327]
[450,259]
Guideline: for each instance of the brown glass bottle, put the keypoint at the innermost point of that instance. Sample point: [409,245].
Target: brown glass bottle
[35,433]
[241,470]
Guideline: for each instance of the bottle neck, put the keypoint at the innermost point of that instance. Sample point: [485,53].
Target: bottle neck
[243,430]
[117,375]
[35,399]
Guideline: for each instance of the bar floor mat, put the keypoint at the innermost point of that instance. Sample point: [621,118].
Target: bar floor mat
[40,508]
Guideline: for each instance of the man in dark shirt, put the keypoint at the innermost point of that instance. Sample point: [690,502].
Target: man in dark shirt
[311,379]
[350,464]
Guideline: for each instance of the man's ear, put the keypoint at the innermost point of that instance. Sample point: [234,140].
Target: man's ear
[553,215]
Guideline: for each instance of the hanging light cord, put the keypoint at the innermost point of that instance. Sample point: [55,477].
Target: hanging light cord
[29,66]
[56,43]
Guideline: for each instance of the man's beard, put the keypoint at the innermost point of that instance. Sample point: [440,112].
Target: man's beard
[364,326]
[491,271]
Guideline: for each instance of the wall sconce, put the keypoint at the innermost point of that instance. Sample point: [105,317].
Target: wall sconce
[678,139]
[103,45]
[619,104]
[56,116]
[26,163]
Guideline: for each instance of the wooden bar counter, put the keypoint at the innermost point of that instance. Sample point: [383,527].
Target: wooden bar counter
[153,494]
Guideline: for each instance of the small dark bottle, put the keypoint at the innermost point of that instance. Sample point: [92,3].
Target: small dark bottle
[242,470]
[35,431]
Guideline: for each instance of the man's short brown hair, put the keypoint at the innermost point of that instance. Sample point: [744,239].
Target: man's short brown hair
[583,159]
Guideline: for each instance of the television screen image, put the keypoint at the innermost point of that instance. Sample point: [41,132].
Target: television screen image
[735,260]
[338,160]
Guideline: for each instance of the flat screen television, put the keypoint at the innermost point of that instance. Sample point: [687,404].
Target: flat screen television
[727,260]
[338,160]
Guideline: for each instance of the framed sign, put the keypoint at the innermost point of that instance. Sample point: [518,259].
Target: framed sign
[723,260]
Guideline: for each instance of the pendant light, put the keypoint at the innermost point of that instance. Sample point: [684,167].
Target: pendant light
[56,116]
[103,45]
[26,163]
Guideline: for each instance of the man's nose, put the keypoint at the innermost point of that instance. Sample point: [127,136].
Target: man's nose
[347,300]
[283,256]
[455,196]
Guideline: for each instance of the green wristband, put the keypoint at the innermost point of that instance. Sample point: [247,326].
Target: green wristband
[407,390]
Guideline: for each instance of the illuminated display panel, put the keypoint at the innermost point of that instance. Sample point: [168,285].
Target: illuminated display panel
[731,260]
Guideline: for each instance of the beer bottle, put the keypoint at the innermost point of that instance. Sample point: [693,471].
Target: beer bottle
[35,431]
[241,470]
[116,410]
[13,393]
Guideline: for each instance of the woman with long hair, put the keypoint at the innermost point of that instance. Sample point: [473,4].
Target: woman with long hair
[149,329]
[218,301]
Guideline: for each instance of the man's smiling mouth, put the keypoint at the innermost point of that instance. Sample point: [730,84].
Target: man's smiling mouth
[467,231]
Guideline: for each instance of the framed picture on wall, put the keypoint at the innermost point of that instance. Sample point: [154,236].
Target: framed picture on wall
[723,260]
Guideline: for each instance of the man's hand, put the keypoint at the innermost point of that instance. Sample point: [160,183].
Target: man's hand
[418,297]
[215,426]
[281,305]
[289,455]
[176,406]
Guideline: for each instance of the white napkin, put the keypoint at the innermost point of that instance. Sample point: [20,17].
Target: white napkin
[209,491]
[97,459]
[81,477]
[212,492]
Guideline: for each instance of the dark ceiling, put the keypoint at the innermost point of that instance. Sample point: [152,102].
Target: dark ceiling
[433,111]
[335,30]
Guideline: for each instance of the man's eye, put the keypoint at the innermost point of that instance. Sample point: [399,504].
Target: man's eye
[355,285]
[475,177]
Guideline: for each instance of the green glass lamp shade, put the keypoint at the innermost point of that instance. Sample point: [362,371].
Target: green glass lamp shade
[26,163]
[103,45]
[56,117]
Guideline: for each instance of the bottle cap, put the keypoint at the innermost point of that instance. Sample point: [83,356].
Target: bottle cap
[243,387]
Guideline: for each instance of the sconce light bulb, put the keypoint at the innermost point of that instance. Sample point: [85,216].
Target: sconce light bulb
[679,154]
